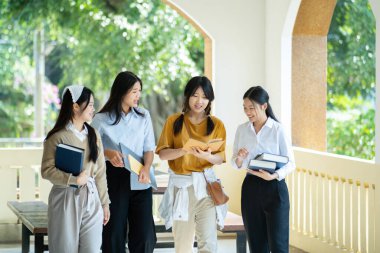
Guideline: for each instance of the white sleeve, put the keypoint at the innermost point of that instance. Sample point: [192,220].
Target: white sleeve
[286,149]
[236,147]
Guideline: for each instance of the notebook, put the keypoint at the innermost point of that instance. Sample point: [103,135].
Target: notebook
[69,158]
[134,163]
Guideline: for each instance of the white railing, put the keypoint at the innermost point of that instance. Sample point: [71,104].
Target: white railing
[20,179]
[334,203]
[333,198]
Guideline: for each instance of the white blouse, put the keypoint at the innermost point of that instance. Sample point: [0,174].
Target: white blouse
[270,139]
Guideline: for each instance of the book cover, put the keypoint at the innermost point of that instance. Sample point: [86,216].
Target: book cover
[69,158]
[134,163]
[262,165]
[108,143]
[213,144]
[278,159]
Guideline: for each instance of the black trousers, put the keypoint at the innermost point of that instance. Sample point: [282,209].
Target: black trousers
[130,211]
[265,211]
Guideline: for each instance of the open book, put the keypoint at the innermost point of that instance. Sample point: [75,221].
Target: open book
[213,144]
[134,163]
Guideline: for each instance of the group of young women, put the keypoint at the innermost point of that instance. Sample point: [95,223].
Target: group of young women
[106,206]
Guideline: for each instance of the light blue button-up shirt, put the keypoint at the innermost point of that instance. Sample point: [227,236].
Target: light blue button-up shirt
[270,139]
[133,130]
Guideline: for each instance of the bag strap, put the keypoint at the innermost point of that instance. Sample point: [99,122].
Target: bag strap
[204,175]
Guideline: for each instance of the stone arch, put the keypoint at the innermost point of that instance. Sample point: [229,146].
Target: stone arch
[308,72]
[208,47]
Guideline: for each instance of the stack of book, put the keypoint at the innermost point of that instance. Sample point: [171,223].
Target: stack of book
[268,162]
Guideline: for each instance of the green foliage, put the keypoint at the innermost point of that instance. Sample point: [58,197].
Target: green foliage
[351,80]
[351,132]
[89,42]
[351,47]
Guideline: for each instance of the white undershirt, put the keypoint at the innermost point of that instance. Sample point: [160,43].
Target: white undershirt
[81,135]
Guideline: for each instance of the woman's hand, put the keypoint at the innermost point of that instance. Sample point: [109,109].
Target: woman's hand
[82,178]
[144,176]
[242,154]
[263,174]
[115,157]
[203,154]
[106,214]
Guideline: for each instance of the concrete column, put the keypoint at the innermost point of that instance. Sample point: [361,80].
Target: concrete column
[309,73]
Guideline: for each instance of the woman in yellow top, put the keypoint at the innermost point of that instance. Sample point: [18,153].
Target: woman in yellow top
[186,206]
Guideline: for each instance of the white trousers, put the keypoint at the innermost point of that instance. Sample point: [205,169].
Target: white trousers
[75,219]
[201,223]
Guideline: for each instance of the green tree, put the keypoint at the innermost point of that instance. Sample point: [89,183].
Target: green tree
[89,42]
[351,80]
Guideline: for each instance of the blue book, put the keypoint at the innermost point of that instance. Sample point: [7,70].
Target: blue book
[134,163]
[69,158]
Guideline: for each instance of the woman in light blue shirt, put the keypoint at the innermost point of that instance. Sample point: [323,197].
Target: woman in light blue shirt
[122,121]
[265,197]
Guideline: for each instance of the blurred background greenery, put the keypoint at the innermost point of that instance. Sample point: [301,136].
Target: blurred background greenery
[351,80]
[88,43]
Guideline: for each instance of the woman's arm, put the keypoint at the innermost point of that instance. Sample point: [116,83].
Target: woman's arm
[207,155]
[144,176]
[48,169]
[149,145]
[101,177]
[115,157]
[241,155]
[171,153]
[286,149]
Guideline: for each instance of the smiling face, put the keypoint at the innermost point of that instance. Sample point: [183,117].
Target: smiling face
[83,113]
[198,101]
[131,99]
[254,111]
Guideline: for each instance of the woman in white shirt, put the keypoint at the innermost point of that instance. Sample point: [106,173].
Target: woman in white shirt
[265,197]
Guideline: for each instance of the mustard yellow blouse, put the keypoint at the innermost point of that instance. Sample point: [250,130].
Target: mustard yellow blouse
[189,163]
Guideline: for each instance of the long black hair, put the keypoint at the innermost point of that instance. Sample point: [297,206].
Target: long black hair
[258,95]
[122,85]
[66,114]
[191,87]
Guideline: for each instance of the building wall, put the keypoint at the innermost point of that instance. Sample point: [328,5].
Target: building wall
[238,32]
